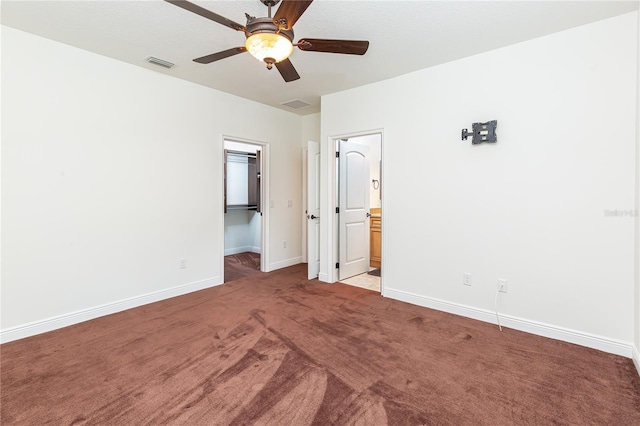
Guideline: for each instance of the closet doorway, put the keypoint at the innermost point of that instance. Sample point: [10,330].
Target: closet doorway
[244,216]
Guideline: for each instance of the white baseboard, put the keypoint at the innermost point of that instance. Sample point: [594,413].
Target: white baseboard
[636,358]
[285,263]
[236,250]
[323,278]
[541,329]
[65,320]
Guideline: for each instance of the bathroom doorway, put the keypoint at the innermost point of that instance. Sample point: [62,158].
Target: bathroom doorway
[359,202]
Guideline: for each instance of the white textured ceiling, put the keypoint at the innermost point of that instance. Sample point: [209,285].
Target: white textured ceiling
[404,36]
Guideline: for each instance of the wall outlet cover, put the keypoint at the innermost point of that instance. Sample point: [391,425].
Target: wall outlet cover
[466,278]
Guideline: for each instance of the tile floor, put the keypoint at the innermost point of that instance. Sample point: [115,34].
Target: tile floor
[370,282]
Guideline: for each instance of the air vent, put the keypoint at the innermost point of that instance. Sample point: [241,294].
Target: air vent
[296,104]
[159,62]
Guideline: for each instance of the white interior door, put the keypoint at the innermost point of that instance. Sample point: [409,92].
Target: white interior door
[354,209]
[313,209]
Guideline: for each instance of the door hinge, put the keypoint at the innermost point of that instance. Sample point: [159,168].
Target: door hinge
[337,265]
[337,154]
[337,209]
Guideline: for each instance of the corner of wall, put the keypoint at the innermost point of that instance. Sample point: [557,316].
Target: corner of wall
[310,128]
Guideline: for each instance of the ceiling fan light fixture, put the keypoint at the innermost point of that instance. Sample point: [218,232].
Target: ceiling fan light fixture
[270,39]
[269,47]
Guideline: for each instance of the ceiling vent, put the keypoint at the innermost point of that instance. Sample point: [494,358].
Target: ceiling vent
[296,104]
[159,62]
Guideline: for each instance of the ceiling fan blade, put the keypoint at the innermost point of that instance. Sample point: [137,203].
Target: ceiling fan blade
[291,10]
[220,55]
[349,47]
[287,70]
[207,14]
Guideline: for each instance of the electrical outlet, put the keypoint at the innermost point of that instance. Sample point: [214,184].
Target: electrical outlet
[503,285]
[466,278]
[183,263]
[289,203]
[284,244]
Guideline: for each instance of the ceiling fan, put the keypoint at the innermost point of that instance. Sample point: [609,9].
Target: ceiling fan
[270,39]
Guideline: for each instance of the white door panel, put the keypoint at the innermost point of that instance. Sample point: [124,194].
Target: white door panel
[354,240]
[354,209]
[313,209]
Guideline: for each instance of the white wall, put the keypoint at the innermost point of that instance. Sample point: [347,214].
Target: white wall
[241,231]
[239,146]
[531,208]
[310,128]
[255,222]
[111,174]
[237,180]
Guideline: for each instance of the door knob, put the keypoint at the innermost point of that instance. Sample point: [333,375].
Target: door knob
[315,217]
[368,214]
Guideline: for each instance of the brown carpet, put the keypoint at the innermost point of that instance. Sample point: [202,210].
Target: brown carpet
[276,349]
[241,265]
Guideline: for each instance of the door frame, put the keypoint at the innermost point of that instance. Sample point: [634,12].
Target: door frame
[264,191]
[330,246]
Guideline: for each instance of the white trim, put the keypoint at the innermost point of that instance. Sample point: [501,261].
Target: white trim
[384,230]
[65,320]
[220,168]
[265,181]
[237,250]
[636,354]
[285,263]
[304,209]
[605,344]
[322,277]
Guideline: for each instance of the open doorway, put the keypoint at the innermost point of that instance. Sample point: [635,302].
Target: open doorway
[244,219]
[359,207]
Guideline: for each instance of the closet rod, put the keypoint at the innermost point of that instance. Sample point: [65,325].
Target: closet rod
[241,154]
